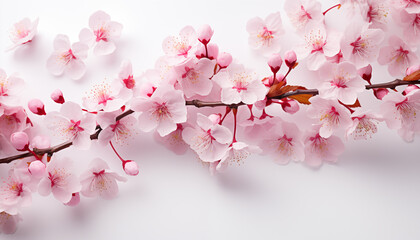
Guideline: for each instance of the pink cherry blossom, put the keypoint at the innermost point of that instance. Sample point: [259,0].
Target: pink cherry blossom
[14,194]
[331,115]
[283,142]
[410,24]
[319,149]
[182,47]
[117,131]
[23,32]
[265,34]
[398,56]
[364,124]
[239,85]
[8,223]
[302,12]
[125,75]
[209,139]
[67,58]
[375,12]
[162,111]
[60,180]
[99,181]
[411,6]
[236,154]
[340,81]
[107,97]
[360,45]
[10,88]
[71,124]
[102,33]
[194,76]
[13,119]
[173,141]
[401,112]
[318,45]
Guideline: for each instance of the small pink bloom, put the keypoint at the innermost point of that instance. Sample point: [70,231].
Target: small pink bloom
[284,143]
[224,59]
[360,45]
[67,58]
[401,112]
[179,48]
[13,119]
[125,75]
[204,34]
[71,124]
[364,125]
[302,12]
[376,13]
[398,56]
[131,168]
[99,181]
[290,58]
[265,34]
[239,85]
[10,88]
[194,76]
[14,194]
[57,96]
[380,93]
[20,141]
[236,154]
[37,169]
[102,33]
[40,142]
[36,106]
[107,97]
[319,149]
[209,140]
[319,44]
[60,180]
[162,111]
[8,223]
[116,131]
[74,201]
[410,22]
[22,32]
[340,81]
[174,141]
[330,113]
[289,105]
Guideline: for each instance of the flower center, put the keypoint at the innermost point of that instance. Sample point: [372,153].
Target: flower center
[331,117]
[101,34]
[191,75]
[265,35]
[161,111]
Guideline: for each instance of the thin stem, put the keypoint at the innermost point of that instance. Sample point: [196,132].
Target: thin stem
[235,111]
[288,71]
[226,113]
[338,6]
[115,151]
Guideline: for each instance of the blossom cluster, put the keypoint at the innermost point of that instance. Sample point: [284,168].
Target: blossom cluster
[248,112]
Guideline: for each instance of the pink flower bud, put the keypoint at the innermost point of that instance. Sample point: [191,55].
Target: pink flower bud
[130,168]
[269,81]
[57,96]
[410,88]
[204,34]
[215,118]
[366,73]
[37,169]
[412,69]
[200,52]
[224,60]
[275,62]
[36,106]
[290,58]
[380,92]
[75,199]
[290,106]
[212,51]
[20,141]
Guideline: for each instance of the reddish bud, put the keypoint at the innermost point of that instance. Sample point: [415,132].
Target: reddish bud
[275,62]
[37,169]
[290,58]
[36,106]
[75,200]
[410,88]
[212,51]
[204,34]
[20,141]
[366,73]
[130,167]
[224,60]
[380,92]
[215,118]
[290,106]
[57,96]
[412,69]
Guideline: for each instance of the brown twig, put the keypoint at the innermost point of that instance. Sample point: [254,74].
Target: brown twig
[199,104]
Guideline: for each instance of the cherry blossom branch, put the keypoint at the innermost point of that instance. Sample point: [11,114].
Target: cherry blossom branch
[199,104]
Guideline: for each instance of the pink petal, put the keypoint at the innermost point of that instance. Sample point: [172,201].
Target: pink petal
[104,48]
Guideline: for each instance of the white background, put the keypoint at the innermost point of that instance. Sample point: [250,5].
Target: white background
[372,193]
